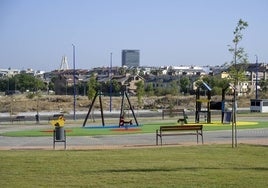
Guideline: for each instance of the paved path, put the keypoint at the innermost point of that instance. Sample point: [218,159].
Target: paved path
[251,136]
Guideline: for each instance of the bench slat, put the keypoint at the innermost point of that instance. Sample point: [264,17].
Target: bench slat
[181,127]
[178,134]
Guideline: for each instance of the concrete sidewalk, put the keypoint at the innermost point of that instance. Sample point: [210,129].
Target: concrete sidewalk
[246,136]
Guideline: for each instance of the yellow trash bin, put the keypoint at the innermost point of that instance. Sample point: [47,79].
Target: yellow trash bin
[59,128]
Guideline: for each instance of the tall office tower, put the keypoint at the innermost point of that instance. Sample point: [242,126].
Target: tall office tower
[131,58]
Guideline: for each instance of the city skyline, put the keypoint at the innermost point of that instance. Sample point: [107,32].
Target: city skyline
[36,34]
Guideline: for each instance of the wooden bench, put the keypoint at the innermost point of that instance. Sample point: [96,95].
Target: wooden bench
[178,112]
[55,117]
[182,129]
[18,118]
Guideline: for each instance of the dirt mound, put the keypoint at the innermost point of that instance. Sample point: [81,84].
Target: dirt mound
[22,103]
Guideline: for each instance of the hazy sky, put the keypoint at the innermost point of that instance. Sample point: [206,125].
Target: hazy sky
[37,33]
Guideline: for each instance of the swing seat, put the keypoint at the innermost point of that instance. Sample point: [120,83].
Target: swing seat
[123,122]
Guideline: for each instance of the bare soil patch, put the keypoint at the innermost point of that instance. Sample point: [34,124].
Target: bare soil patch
[21,103]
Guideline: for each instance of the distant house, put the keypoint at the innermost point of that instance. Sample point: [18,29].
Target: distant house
[131,82]
[251,73]
[9,72]
[64,80]
[126,81]
[186,70]
[61,84]
[106,71]
[161,81]
[224,75]
[256,73]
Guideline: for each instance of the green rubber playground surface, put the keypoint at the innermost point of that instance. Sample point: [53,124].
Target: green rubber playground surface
[115,130]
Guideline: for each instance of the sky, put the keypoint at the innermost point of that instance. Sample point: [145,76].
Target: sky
[38,33]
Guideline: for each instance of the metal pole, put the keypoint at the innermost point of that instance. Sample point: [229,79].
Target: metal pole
[111,86]
[90,107]
[234,128]
[74,116]
[8,85]
[125,93]
[256,77]
[101,108]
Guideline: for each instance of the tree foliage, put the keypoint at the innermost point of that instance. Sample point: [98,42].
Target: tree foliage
[92,87]
[140,91]
[216,84]
[22,82]
[149,89]
[184,84]
[240,59]
[174,90]
[264,85]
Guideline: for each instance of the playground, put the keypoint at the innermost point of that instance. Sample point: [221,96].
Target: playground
[148,127]
[98,136]
[128,123]
[122,152]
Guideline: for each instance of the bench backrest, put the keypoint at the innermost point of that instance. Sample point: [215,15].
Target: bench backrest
[181,127]
[169,111]
[57,115]
[177,112]
[20,117]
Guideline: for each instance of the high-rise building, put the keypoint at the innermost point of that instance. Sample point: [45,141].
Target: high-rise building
[131,58]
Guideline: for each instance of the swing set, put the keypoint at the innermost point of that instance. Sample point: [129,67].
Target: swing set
[121,116]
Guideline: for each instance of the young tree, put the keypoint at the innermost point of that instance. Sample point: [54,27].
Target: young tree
[92,87]
[149,89]
[140,91]
[237,70]
[174,88]
[184,84]
[4,84]
[264,85]
[116,86]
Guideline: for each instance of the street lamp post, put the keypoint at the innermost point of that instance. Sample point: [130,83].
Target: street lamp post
[74,116]
[256,84]
[110,75]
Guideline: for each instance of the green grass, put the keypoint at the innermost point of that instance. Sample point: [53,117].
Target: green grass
[145,128]
[192,166]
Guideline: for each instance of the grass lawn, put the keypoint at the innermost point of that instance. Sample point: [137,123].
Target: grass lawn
[191,166]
